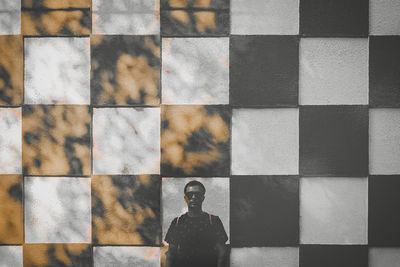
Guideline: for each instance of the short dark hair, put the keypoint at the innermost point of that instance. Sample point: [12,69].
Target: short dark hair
[193,183]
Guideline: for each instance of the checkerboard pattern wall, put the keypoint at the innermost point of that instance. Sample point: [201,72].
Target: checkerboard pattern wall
[294,105]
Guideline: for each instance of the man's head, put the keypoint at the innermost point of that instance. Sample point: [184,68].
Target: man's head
[194,194]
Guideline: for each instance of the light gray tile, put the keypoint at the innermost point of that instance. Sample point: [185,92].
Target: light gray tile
[195,71]
[57,70]
[126,141]
[384,257]
[333,71]
[265,257]
[126,256]
[280,17]
[134,17]
[265,141]
[57,210]
[10,256]
[384,18]
[10,140]
[333,210]
[384,141]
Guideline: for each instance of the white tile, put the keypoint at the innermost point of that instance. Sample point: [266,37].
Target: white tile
[265,256]
[195,71]
[333,210]
[57,210]
[10,22]
[384,141]
[10,140]
[333,71]
[384,257]
[57,70]
[126,141]
[280,17]
[265,141]
[128,17]
[384,18]
[10,256]
[126,256]
[216,199]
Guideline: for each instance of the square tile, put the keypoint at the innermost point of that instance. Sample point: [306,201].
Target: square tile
[64,132]
[255,220]
[126,141]
[10,17]
[384,17]
[66,255]
[333,71]
[264,70]
[266,256]
[11,70]
[384,145]
[334,17]
[384,220]
[57,210]
[125,70]
[126,256]
[333,210]
[11,210]
[130,17]
[57,70]
[334,140]
[216,200]
[11,256]
[384,68]
[58,18]
[265,17]
[384,257]
[195,140]
[265,141]
[195,18]
[195,71]
[126,210]
[218,4]
[333,256]
[10,140]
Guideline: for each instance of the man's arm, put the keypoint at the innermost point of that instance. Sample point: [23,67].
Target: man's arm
[221,250]
[170,255]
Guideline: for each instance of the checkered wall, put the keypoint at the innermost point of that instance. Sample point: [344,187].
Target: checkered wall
[291,106]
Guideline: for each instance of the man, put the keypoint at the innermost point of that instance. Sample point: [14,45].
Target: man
[196,239]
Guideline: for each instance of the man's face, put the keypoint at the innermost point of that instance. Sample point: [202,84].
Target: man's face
[194,196]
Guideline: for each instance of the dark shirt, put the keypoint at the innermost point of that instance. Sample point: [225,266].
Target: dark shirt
[195,239]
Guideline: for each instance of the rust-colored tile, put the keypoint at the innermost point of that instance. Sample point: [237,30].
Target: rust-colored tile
[195,140]
[51,4]
[126,210]
[11,220]
[125,70]
[56,140]
[47,255]
[11,70]
[56,22]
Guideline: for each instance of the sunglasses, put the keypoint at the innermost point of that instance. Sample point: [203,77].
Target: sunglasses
[192,194]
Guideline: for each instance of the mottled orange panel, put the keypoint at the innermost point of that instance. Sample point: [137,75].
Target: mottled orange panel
[43,255]
[178,3]
[203,3]
[204,20]
[11,211]
[11,70]
[125,70]
[53,4]
[126,210]
[181,16]
[195,140]
[56,140]
[60,22]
